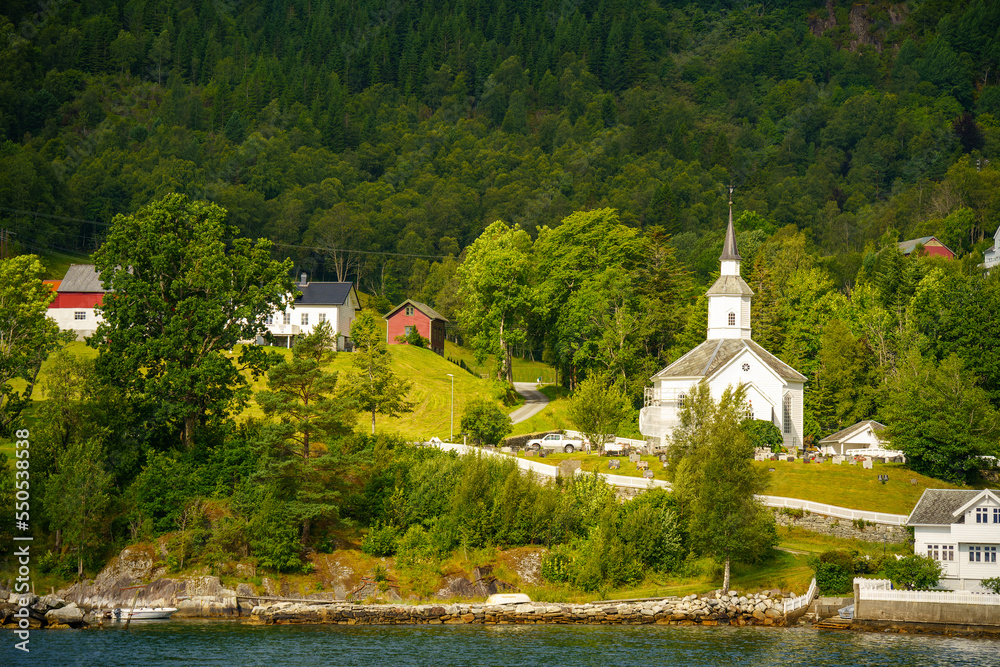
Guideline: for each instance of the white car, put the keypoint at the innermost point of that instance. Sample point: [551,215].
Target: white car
[556,442]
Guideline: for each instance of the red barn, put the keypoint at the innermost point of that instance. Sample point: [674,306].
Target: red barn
[77,296]
[411,315]
[931,246]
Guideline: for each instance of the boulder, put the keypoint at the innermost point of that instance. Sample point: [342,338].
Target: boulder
[68,615]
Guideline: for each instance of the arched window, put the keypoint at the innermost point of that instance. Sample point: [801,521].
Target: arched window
[786,414]
[681,398]
[732,319]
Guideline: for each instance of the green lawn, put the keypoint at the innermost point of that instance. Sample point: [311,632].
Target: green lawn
[851,486]
[524,369]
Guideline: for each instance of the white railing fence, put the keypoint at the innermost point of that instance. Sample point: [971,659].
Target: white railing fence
[834,511]
[937,597]
[873,584]
[791,604]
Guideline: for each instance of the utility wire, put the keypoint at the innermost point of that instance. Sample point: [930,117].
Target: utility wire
[283,245]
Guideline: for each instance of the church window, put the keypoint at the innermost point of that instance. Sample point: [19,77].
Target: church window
[786,414]
[746,368]
[732,319]
[681,397]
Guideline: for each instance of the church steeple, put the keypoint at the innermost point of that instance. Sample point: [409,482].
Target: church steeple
[730,257]
[729,297]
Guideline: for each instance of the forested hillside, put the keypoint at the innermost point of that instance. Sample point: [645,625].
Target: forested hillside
[410,126]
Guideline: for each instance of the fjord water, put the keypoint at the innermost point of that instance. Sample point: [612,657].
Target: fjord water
[227,643]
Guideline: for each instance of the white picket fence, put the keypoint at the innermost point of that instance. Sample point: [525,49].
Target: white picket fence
[938,597]
[791,604]
[873,584]
[834,511]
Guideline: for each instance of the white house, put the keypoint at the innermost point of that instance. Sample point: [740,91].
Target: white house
[961,530]
[992,255]
[727,358]
[336,303]
[860,436]
[77,296]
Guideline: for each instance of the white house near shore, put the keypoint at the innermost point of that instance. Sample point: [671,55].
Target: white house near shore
[960,529]
[336,303]
[729,357]
[992,255]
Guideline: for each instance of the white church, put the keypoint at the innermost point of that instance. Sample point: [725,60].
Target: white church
[728,358]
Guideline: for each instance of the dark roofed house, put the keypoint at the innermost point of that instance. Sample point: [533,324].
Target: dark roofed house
[930,245]
[336,303]
[960,528]
[413,315]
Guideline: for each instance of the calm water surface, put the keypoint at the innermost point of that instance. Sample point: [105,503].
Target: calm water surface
[226,643]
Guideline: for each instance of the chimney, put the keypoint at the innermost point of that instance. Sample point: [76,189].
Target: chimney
[302,280]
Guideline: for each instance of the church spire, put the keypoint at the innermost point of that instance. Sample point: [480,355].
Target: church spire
[729,249]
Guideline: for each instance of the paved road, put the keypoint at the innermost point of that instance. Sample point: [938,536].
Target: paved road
[534,401]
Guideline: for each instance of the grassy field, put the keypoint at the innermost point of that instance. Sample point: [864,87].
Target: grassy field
[524,369]
[849,486]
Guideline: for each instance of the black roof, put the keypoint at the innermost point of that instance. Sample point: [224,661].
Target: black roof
[323,294]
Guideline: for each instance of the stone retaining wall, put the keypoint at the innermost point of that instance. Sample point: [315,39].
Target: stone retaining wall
[759,609]
[844,528]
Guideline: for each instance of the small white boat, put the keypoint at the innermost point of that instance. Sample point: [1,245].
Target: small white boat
[144,613]
[508,598]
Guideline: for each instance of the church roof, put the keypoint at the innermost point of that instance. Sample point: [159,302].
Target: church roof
[730,285]
[710,356]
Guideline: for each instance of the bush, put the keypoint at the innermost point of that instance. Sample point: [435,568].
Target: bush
[556,567]
[485,422]
[794,512]
[763,434]
[833,579]
[992,585]
[913,572]
[380,540]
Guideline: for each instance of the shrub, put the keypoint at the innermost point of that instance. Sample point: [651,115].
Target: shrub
[794,512]
[992,584]
[833,579]
[380,540]
[913,572]
[485,422]
[763,434]
[556,567]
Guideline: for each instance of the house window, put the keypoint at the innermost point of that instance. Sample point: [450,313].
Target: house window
[409,310]
[996,515]
[305,319]
[408,329]
[681,398]
[321,318]
[732,319]
[933,552]
[948,552]
[287,318]
[80,315]
[786,414]
[270,319]
[989,554]
[982,515]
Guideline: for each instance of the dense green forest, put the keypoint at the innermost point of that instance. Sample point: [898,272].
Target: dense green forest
[340,129]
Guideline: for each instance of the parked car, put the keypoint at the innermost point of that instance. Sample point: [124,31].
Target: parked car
[556,442]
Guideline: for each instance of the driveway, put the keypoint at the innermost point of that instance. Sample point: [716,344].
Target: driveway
[534,401]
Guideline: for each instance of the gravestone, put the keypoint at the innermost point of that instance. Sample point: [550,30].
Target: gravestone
[663,458]
[506,450]
[567,469]
[867,465]
[633,457]
[852,461]
[837,460]
[642,465]
[789,458]
[614,464]
[530,452]
[648,474]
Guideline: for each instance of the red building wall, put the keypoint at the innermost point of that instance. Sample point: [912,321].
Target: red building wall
[396,326]
[76,300]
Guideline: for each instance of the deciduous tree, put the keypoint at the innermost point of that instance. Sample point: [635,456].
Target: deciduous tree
[183,291]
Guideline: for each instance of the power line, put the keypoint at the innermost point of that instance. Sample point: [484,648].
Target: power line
[283,245]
